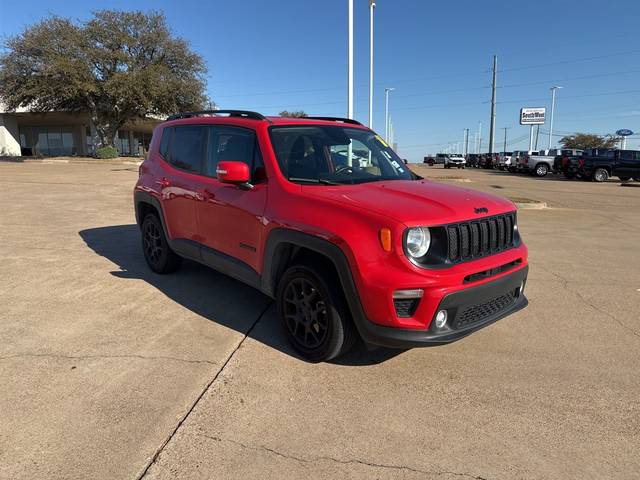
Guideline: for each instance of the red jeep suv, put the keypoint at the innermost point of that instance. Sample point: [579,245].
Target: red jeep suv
[321,215]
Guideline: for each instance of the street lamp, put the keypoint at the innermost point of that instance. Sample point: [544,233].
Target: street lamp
[553,107]
[372,6]
[350,63]
[386,112]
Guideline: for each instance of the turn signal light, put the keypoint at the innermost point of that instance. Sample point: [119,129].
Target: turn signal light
[385,239]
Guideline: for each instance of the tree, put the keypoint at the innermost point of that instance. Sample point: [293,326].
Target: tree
[293,114]
[584,140]
[118,66]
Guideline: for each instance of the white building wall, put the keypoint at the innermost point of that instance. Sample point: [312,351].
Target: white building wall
[9,136]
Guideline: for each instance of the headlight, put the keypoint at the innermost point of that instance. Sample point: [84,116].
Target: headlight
[418,241]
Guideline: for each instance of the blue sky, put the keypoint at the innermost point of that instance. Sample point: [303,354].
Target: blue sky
[291,54]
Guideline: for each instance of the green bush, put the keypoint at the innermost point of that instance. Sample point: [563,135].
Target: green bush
[107,152]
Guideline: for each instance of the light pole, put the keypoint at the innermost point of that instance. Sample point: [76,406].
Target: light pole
[350,63]
[466,142]
[386,112]
[372,6]
[553,107]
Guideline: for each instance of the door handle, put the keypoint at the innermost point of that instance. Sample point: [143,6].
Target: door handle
[164,183]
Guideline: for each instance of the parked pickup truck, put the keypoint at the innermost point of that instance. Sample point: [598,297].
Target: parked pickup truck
[542,162]
[563,162]
[522,159]
[505,160]
[599,165]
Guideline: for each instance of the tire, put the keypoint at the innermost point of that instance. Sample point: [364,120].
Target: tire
[314,314]
[600,175]
[541,170]
[569,176]
[624,179]
[430,164]
[159,256]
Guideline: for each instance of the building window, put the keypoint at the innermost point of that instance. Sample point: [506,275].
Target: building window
[50,141]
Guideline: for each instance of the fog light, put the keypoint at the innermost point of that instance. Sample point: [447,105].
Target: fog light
[441,318]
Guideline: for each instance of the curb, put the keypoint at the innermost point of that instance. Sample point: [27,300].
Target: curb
[53,161]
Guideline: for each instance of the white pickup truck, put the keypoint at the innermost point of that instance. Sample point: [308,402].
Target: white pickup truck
[540,163]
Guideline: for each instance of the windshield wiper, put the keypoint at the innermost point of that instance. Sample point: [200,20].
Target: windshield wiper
[323,181]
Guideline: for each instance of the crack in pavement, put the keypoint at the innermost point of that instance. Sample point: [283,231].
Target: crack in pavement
[565,285]
[157,453]
[87,357]
[338,460]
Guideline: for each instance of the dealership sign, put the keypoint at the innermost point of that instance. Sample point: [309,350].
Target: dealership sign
[625,132]
[532,116]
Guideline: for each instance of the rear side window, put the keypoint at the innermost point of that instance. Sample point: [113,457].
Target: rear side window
[164,142]
[187,147]
[626,155]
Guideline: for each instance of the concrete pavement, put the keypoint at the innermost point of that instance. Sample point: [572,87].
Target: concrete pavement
[110,371]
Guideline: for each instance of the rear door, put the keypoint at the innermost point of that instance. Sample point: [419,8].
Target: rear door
[230,216]
[178,181]
[628,164]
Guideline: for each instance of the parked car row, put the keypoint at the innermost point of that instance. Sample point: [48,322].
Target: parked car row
[595,164]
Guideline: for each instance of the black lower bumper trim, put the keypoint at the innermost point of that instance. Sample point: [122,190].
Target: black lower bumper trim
[404,338]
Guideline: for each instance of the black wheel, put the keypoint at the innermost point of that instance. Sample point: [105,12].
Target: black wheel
[600,175]
[541,170]
[624,179]
[314,314]
[447,166]
[431,163]
[569,175]
[157,253]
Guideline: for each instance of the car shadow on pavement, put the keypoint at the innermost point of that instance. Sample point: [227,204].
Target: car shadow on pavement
[208,293]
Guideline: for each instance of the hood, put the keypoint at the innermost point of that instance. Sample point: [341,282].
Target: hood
[419,202]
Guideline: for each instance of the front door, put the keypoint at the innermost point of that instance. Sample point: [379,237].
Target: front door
[230,222]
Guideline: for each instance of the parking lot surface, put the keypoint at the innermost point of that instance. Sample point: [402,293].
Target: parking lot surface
[110,371]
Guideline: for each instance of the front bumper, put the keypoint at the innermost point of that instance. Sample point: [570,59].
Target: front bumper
[468,310]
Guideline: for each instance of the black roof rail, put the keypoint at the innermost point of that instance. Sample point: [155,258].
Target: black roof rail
[337,119]
[231,113]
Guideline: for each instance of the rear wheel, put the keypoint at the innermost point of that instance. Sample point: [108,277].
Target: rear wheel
[600,175]
[157,253]
[313,313]
[569,176]
[624,179]
[541,170]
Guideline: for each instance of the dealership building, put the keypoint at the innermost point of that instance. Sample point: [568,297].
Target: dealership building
[52,134]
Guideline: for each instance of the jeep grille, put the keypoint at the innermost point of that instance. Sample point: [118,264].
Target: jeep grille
[479,238]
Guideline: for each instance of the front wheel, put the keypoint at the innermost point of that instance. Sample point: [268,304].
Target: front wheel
[313,313]
[600,175]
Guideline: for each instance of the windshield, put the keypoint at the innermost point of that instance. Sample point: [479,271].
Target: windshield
[331,154]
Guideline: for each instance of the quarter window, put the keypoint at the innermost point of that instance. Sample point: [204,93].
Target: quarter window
[164,142]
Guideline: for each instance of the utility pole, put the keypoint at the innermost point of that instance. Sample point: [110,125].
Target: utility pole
[350,63]
[553,107]
[466,141]
[372,6]
[479,137]
[492,126]
[386,112]
[504,148]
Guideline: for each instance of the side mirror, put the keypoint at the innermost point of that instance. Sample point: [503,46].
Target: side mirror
[233,172]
